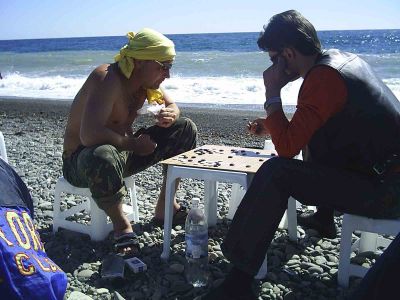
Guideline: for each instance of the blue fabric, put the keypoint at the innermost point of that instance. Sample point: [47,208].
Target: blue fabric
[13,191]
[26,272]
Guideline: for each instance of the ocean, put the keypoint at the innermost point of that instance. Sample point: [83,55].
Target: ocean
[210,69]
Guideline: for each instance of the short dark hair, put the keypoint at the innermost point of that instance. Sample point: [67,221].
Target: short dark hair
[289,29]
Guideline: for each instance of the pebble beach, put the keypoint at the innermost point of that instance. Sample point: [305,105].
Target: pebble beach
[33,131]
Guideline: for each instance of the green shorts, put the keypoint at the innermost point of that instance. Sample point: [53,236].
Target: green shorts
[102,168]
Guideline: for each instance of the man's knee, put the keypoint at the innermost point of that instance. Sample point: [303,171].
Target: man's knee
[101,164]
[187,131]
[274,164]
[106,154]
[189,128]
[103,168]
[277,170]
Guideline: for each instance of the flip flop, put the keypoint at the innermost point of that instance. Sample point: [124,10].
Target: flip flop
[179,217]
[124,241]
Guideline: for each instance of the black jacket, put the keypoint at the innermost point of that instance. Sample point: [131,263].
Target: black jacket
[366,132]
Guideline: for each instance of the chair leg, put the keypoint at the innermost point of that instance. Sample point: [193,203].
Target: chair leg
[236,197]
[292,219]
[283,224]
[368,241]
[99,226]
[169,203]
[56,207]
[345,251]
[263,269]
[135,203]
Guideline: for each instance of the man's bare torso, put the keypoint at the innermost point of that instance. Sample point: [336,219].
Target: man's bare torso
[124,108]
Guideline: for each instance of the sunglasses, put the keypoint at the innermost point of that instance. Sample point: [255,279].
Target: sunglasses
[165,66]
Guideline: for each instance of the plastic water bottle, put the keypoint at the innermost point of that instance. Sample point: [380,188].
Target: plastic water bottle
[196,238]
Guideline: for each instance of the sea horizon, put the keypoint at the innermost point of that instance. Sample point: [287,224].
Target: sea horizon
[193,33]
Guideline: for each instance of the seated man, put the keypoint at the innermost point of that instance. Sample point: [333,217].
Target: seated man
[350,122]
[100,148]
[25,270]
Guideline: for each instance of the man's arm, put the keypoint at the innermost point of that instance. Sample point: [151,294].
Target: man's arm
[169,114]
[322,95]
[275,78]
[129,130]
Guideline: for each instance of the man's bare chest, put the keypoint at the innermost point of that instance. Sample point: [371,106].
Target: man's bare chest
[126,110]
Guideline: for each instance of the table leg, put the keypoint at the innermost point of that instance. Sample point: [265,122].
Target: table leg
[169,206]
[292,219]
[210,201]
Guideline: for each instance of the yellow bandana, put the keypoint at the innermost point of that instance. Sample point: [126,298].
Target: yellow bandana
[147,44]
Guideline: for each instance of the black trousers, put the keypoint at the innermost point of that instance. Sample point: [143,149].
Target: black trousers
[258,216]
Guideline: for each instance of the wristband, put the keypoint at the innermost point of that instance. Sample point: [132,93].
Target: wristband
[272,100]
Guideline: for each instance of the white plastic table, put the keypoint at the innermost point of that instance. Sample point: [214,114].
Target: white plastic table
[211,163]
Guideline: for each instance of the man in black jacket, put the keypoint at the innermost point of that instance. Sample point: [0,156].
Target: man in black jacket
[348,121]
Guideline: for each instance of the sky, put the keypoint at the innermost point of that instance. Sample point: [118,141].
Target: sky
[31,19]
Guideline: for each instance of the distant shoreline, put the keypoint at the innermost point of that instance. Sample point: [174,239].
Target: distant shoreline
[43,103]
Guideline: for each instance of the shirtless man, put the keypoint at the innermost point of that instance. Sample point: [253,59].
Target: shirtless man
[100,148]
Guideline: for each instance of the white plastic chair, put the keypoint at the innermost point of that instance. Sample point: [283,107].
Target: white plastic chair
[3,152]
[369,241]
[99,228]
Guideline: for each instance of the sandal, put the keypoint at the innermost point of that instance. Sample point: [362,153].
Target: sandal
[127,240]
[179,217]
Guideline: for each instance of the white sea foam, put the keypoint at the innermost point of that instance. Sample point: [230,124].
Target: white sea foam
[224,90]
[47,87]
[197,90]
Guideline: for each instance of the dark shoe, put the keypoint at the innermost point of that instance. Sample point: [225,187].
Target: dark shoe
[222,293]
[179,217]
[124,241]
[325,227]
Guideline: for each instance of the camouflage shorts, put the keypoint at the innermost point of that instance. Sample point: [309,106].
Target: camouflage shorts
[103,167]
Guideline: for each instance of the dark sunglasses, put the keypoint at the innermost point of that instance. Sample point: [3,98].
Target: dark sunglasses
[166,66]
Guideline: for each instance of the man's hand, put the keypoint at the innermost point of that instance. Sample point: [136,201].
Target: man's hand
[276,77]
[257,127]
[142,145]
[166,117]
